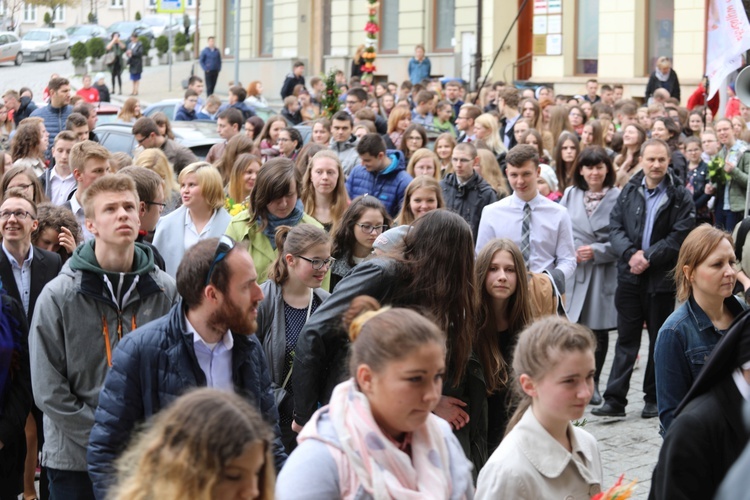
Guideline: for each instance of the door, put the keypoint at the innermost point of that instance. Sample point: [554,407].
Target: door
[524,54]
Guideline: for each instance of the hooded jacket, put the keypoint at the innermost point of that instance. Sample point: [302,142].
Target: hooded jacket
[184,115]
[161,357]
[54,121]
[347,153]
[387,185]
[79,319]
[24,110]
[468,200]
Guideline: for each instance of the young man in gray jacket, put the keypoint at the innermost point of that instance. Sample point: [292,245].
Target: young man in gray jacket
[108,287]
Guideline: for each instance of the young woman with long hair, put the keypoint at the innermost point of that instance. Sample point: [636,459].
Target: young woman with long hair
[628,161]
[504,310]
[377,436]
[444,145]
[274,202]
[558,123]
[242,180]
[534,138]
[398,121]
[414,138]
[321,131]
[433,272]
[487,130]
[202,214]
[387,103]
[237,145]
[424,162]
[25,179]
[695,124]
[422,195]
[324,195]
[154,159]
[489,170]
[360,225]
[164,125]
[531,111]
[29,144]
[208,444]
[553,370]
[566,151]
[268,138]
[291,294]
[131,110]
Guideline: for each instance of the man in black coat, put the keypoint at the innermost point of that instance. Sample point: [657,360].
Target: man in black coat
[296,77]
[651,219]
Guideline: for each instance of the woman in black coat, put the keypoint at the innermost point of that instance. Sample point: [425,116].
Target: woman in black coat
[708,433]
[663,77]
[135,61]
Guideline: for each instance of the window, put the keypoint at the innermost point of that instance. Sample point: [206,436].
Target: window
[388,37]
[152,3]
[190,4]
[587,37]
[29,13]
[58,15]
[445,25]
[230,9]
[117,4]
[266,28]
[660,31]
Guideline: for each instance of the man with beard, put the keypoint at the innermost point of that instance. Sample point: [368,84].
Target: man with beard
[205,341]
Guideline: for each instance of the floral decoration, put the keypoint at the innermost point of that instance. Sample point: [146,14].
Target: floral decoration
[371,29]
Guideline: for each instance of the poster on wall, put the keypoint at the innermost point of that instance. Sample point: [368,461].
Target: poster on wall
[540,7]
[554,24]
[554,6]
[554,45]
[540,25]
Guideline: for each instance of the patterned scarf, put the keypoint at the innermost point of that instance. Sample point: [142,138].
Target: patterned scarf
[591,200]
[290,220]
[376,462]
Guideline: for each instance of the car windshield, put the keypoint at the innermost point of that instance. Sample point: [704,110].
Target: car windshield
[80,30]
[155,21]
[37,36]
[122,26]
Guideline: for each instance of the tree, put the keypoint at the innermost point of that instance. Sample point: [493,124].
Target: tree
[12,7]
[53,5]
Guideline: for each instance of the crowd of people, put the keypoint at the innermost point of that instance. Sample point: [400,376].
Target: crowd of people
[417,301]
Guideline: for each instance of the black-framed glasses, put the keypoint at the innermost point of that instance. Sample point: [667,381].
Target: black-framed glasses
[369,228]
[140,141]
[161,206]
[226,244]
[18,214]
[317,264]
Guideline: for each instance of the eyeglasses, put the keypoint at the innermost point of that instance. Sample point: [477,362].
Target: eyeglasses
[18,214]
[369,228]
[161,206]
[226,244]
[141,141]
[350,102]
[317,264]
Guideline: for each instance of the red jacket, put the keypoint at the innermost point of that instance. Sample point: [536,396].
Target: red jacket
[89,95]
[697,99]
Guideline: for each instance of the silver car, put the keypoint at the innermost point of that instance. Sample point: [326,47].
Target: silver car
[45,43]
[10,49]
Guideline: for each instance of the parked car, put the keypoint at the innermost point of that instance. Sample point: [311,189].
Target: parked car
[45,43]
[10,49]
[106,112]
[197,135]
[125,28]
[85,32]
[169,108]
[159,24]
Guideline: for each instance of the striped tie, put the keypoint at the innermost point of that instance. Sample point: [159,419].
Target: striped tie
[526,234]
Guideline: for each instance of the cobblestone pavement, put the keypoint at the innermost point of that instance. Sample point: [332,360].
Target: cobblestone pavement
[628,445]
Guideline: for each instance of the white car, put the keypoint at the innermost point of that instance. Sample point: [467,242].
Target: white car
[10,49]
[159,24]
[45,43]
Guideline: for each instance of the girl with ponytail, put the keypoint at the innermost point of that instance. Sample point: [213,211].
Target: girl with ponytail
[377,437]
[543,455]
[292,293]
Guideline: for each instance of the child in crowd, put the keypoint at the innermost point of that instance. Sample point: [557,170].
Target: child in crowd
[443,116]
[547,183]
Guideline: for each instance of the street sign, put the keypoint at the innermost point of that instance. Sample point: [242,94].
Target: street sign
[170,6]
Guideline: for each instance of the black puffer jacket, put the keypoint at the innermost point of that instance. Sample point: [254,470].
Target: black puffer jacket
[468,200]
[675,218]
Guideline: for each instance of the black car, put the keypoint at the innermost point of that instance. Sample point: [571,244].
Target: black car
[197,135]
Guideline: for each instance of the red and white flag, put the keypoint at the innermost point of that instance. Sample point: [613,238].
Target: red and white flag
[728,39]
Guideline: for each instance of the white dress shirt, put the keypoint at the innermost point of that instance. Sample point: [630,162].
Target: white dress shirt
[78,212]
[551,237]
[22,275]
[60,187]
[214,359]
[191,233]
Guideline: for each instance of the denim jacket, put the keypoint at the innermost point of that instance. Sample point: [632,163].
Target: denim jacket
[685,341]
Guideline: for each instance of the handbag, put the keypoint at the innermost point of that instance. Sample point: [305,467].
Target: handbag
[109,58]
[279,392]
[544,296]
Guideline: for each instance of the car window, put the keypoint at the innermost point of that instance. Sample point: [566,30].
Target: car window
[36,36]
[118,142]
[3,40]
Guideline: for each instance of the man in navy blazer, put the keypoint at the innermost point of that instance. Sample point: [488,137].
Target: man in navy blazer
[24,269]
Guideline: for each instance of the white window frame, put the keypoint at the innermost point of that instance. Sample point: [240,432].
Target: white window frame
[2,8]
[29,9]
[58,15]
[116,4]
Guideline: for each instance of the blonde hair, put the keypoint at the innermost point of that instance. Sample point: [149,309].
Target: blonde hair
[397,114]
[694,250]
[183,452]
[236,186]
[84,151]
[493,142]
[421,154]
[154,159]
[209,180]
[339,196]
[490,171]
[406,216]
[112,183]
[538,351]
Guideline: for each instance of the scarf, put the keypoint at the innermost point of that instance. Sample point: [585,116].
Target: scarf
[591,200]
[290,220]
[376,462]
[662,77]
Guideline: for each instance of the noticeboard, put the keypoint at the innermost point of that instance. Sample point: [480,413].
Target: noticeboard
[170,6]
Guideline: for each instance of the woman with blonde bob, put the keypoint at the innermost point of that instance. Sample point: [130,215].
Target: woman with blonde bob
[705,274]
[377,437]
[422,195]
[424,162]
[324,194]
[487,130]
[398,121]
[154,159]
[202,214]
[209,444]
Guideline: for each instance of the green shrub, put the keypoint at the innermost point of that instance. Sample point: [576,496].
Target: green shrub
[138,15]
[78,53]
[92,18]
[48,19]
[162,45]
[96,47]
[179,42]
[146,44]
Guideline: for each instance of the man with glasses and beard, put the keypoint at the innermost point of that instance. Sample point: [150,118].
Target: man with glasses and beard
[205,341]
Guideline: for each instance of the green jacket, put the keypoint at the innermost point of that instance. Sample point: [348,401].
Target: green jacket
[259,245]
[738,185]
